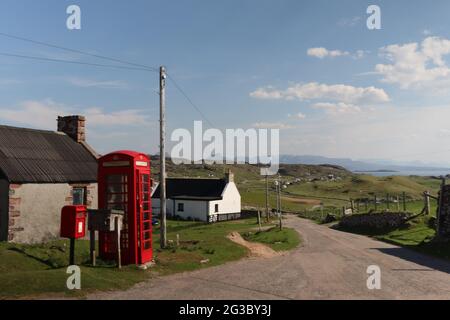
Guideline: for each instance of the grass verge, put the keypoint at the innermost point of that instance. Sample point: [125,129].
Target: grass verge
[278,240]
[418,234]
[31,270]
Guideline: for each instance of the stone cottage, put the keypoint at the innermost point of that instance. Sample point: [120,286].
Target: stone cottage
[40,172]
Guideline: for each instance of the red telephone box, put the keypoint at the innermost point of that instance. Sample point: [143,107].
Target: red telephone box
[124,183]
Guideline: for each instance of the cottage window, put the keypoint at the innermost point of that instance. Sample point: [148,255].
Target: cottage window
[181,207]
[79,196]
[216,208]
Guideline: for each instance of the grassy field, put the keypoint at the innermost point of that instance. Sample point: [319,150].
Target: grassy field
[27,270]
[309,186]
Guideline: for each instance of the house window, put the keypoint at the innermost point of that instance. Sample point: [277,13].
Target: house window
[181,207]
[79,196]
[216,208]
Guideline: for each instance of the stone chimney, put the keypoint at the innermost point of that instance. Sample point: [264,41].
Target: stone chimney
[74,127]
[229,176]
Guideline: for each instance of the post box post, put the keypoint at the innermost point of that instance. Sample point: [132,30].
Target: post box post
[72,252]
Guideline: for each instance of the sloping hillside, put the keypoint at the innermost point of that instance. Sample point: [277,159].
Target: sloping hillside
[306,186]
[248,172]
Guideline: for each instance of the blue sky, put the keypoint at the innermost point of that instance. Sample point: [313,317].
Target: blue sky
[310,68]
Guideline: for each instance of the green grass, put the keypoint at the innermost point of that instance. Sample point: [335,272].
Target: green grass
[30,270]
[278,240]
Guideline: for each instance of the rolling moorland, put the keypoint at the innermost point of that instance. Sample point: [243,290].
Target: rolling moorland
[309,186]
[317,191]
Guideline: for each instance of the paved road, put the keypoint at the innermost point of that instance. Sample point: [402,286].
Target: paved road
[329,265]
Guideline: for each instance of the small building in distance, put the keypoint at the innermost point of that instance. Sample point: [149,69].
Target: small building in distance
[208,200]
[41,172]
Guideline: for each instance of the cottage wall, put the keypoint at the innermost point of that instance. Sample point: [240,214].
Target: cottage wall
[4,206]
[35,209]
[230,203]
[197,210]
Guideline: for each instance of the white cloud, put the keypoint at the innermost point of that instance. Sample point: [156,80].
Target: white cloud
[37,114]
[315,91]
[89,83]
[43,114]
[323,53]
[397,133]
[349,22]
[299,116]
[97,117]
[272,125]
[337,108]
[416,65]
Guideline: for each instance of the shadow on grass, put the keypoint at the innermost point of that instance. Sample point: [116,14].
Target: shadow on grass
[46,262]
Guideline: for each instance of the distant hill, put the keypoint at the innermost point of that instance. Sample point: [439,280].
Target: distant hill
[354,165]
[246,171]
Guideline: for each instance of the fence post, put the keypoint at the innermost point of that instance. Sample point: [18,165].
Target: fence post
[427,203]
[259,220]
[404,201]
[398,204]
[387,202]
[376,203]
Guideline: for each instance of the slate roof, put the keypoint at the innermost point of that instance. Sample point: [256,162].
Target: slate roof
[38,156]
[193,189]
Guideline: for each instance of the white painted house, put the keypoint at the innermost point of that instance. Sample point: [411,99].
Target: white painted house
[208,200]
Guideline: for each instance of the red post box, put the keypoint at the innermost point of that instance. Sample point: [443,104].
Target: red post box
[73,222]
[124,183]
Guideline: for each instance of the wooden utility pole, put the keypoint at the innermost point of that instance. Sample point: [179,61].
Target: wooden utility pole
[162,155]
[267,197]
[279,204]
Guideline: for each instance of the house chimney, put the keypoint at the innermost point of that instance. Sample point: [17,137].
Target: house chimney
[73,126]
[229,176]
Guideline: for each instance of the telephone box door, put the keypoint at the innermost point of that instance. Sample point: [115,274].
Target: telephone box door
[144,217]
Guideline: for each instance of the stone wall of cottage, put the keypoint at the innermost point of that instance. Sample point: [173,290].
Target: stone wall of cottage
[35,210]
